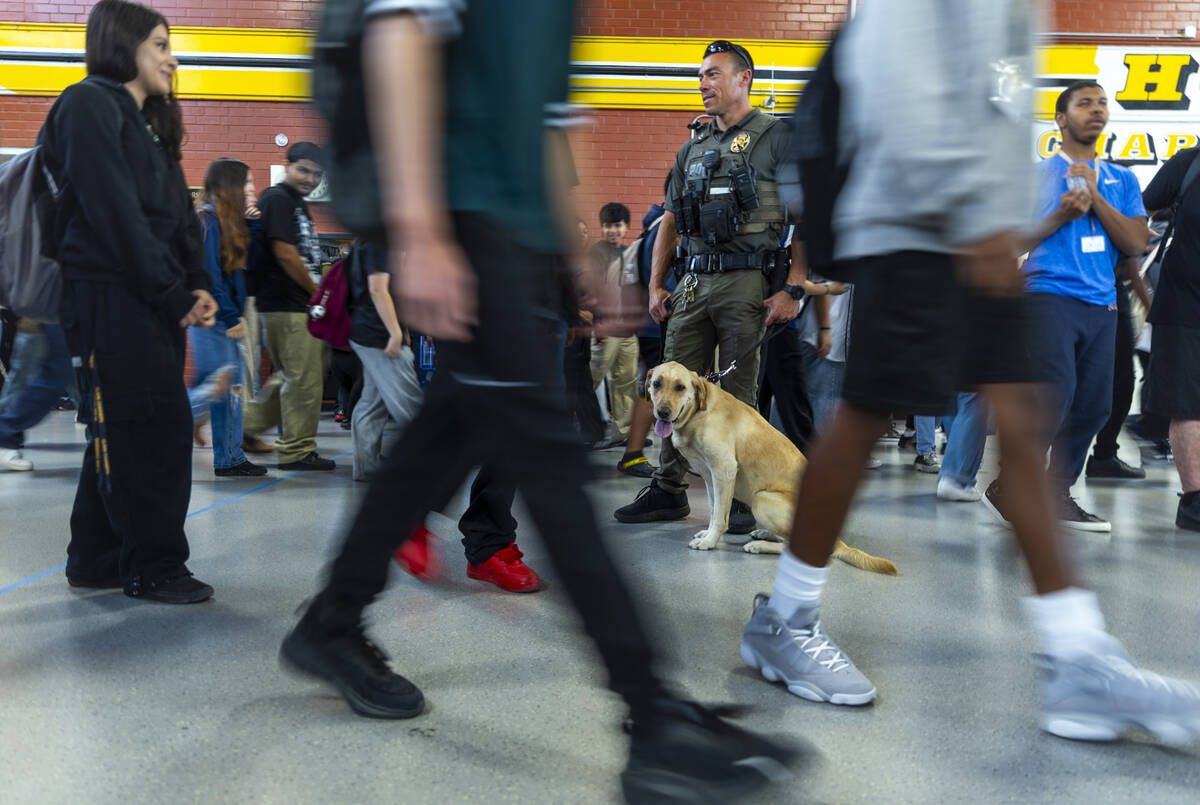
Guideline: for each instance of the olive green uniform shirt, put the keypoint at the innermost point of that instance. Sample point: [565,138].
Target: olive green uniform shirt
[763,159]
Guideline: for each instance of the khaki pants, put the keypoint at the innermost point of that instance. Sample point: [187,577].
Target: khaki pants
[292,396]
[727,315]
[617,360]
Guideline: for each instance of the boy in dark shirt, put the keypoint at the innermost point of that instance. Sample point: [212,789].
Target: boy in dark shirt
[285,280]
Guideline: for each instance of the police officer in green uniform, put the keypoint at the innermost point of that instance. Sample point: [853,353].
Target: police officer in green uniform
[724,202]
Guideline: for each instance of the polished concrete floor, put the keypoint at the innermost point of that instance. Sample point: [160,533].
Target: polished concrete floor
[104,699]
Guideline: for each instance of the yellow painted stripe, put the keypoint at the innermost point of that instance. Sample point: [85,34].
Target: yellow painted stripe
[195,81]
[608,91]
[682,51]
[257,41]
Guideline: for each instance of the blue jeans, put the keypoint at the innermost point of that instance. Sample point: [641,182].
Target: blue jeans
[824,380]
[41,372]
[213,350]
[1073,353]
[966,433]
[926,433]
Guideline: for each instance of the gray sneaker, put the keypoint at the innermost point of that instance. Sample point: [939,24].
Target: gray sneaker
[802,657]
[927,462]
[1100,697]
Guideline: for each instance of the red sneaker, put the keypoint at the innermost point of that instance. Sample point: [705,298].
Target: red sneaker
[506,570]
[419,555]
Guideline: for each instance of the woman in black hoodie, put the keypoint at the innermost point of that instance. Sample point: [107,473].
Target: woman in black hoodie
[129,247]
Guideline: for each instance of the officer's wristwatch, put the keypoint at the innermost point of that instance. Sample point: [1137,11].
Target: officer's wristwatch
[794,291]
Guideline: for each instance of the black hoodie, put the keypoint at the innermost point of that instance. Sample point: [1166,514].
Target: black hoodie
[126,215]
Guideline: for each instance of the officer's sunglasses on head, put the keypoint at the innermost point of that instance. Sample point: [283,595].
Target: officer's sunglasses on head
[725,46]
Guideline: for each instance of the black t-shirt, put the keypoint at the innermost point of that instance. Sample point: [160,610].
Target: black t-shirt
[366,328]
[285,217]
[1177,298]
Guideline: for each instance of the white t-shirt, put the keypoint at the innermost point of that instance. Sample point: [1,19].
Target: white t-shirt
[839,322]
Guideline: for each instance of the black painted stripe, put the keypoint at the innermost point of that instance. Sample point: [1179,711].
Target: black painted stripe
[682,71]
[214,60]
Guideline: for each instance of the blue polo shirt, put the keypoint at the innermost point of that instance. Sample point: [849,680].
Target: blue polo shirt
[1059,265]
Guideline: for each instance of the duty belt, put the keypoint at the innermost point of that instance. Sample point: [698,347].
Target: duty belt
[720,262]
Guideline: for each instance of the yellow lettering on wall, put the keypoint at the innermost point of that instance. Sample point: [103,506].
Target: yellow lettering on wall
[1156,80]
[1138,148]
[1178,142]
[1048,144]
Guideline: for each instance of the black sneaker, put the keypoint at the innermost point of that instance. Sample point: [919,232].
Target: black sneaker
[636,465]
[243,470]
[348,660]
[1112,468]
[654,503]
[182,589]
[907,441]
[312,461]
[1072,515]
[741,519]
[682,752]
[1188,514]
[994,500]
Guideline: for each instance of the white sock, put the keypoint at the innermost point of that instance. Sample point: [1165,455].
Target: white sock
[1067,622]
[797,585]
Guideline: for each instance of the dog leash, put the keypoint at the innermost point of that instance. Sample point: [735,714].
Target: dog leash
[778,328]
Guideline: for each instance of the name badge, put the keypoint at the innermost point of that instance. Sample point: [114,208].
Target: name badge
[1092,243]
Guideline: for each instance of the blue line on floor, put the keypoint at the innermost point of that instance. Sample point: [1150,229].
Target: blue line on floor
[17,584]
[37,576]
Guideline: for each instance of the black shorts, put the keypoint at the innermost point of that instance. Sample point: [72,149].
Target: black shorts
[1174,383]
[917,336]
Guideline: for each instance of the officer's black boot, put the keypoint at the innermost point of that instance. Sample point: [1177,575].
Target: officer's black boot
[655,503]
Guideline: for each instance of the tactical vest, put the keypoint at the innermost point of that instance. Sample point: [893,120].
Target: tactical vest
[769,211]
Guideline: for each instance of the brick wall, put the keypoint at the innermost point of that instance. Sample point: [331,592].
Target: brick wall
[745,19]
[215,13]
[1128,17]
[244,129]
[622,155]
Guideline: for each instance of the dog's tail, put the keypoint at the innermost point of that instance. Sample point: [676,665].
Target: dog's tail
[863,560]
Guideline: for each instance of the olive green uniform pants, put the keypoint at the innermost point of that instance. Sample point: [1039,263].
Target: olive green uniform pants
[726,315]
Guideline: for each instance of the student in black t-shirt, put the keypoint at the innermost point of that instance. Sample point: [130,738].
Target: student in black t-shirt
[285,280]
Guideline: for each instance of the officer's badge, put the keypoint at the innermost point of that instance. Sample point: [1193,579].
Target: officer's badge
[739,143]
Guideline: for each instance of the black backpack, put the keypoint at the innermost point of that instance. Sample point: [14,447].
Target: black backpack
[815,151]
[340,96]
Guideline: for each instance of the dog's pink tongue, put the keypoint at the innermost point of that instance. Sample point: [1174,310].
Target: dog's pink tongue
[662,428]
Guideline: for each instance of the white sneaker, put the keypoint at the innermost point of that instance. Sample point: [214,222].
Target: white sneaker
[952,490]
[15,460]
[1102,696]
[874,463]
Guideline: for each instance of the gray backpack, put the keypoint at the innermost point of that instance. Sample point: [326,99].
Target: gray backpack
[30,281]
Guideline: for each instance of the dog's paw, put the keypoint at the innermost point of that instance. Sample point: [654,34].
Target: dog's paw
[764,535]
[763,546]
[703,542]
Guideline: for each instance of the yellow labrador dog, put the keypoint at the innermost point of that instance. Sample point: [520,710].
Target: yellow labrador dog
[739,454]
